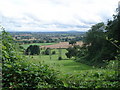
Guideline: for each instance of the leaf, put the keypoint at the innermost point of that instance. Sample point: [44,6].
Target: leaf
[3,47]
[107,38]
[65,84]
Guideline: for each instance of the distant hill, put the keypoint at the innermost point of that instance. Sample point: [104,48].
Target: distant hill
[52,32]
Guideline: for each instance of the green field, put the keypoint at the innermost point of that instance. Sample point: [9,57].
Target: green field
[76,72]
[39,44]
[65,66]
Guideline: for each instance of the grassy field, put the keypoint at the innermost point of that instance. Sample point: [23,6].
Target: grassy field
[65,66]
[76,74]
[27,45]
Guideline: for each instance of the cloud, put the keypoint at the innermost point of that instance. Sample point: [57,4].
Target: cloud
[55,15]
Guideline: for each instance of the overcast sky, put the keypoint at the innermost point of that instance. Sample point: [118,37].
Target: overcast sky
[55,15]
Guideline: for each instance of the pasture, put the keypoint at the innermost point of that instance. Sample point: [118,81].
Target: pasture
[69,69]
[39,44]
[65,66]
[75,74]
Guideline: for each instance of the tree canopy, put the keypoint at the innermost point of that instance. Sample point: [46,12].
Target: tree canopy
[32,50]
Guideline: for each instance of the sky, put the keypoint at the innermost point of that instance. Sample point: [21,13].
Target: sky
[55,15]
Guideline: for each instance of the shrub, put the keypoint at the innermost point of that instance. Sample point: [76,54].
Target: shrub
[21,75]
[113,64]
[53,52]
[43,52]
[47,51]
[59,58]
[92,79]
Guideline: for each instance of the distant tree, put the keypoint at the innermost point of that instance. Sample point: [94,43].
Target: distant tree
[47,51]
[73,51]
[34,41]
[32,50]
[48,41]
[72,42]
[41,41]
[68,55]
[53,52]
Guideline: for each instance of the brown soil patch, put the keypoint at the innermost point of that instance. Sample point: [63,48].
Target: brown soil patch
[61,45]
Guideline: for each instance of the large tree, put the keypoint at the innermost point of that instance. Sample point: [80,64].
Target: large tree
[98,48]
[32,50]
[113,29]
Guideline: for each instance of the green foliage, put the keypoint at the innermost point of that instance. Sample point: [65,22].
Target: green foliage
[53,52]
[8,49]
[113,64]
[16,73]
[59,58]
[92,79]
[113,28]
[21,75]
[47,51]
[95,39]
[98,45]
[72,42]
[73,51]
[32,50]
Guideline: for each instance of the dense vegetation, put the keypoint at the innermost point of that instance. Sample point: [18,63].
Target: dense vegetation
[101,43]
[18,74]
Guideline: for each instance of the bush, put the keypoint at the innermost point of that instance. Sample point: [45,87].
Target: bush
[92,79]
[47,51]
[53,52]
[43,52]
[59,58]
[113,64]
[21,75]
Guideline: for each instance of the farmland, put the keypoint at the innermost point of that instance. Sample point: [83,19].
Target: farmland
[65,66]
[61,45]
[46,37]
[39,44]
